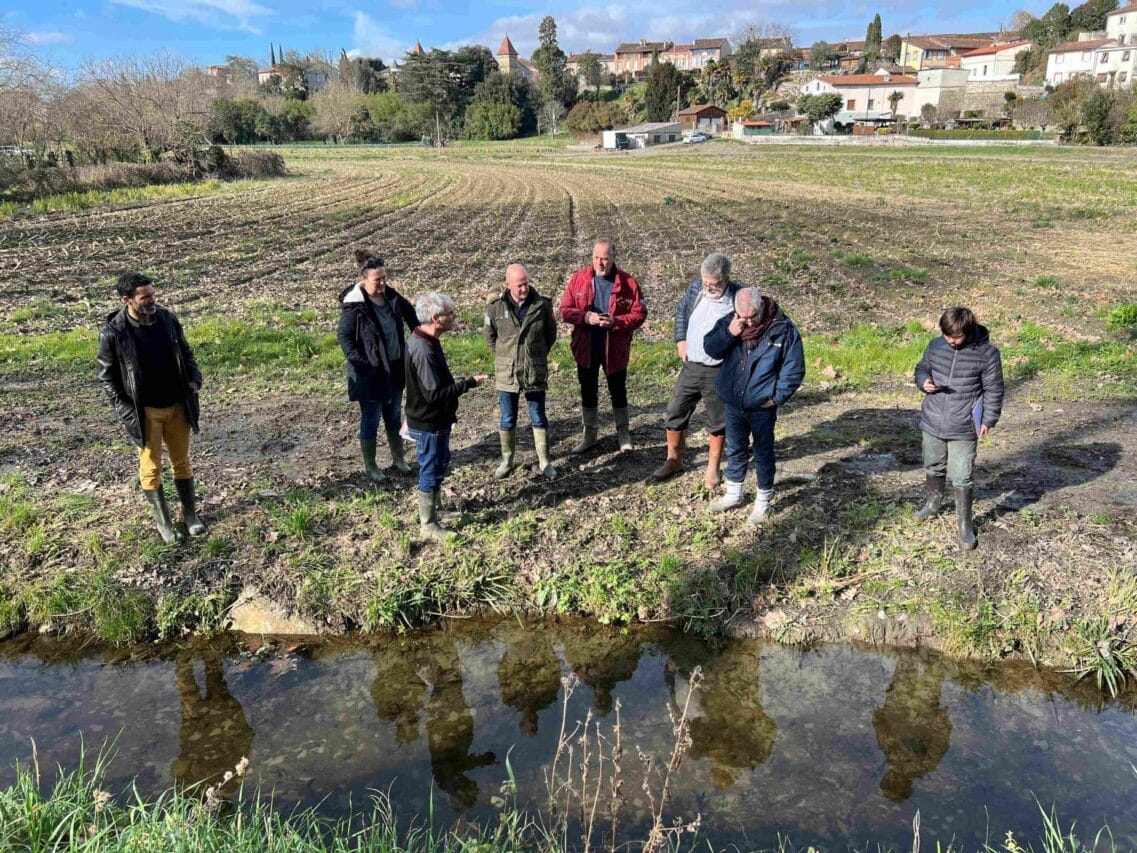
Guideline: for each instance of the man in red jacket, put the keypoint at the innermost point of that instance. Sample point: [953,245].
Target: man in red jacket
[604,306]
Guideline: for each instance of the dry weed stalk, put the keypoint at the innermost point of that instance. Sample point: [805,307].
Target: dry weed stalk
[660,835]
[593,775]
[213,794]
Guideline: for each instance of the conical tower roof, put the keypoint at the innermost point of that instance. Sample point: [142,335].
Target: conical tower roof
[507,48]
[418,47]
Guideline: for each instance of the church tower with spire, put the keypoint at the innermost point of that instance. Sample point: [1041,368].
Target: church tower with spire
[507,58]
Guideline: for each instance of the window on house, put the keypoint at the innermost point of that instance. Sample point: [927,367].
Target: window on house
[1121,78]
[871,102]
[1104,59]
[1125,56]
[851,104]
[1102,78]
[984,70]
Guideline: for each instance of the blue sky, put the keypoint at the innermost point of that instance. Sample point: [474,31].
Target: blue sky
[205,31]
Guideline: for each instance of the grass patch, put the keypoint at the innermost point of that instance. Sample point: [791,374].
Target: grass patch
[75,201]
[856,259]
[1122,317]
[178,615]
[75,812]
[96,603]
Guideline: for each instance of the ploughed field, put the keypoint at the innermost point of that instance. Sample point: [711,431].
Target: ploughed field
[863,248]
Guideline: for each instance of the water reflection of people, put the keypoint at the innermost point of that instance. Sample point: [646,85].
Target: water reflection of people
[602,659]
[728,725]
[214,734]
[912,728]
[529,675]
[400,689]
[404,678]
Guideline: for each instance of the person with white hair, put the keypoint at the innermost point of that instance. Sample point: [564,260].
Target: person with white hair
[763,365]
[432,405]
[708,299]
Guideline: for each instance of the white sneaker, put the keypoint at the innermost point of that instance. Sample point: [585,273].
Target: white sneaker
[761,510]
[731,498]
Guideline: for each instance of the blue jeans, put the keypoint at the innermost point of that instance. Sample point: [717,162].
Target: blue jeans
[433,452]
[508,402]
[741,426]
[370,410]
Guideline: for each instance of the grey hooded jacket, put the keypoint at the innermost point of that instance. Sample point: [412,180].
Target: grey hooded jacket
[963,377]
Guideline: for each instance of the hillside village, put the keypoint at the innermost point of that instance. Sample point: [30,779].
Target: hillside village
[1066,75]
[992,80]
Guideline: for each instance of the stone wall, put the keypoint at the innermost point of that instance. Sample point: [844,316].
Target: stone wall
[989,97]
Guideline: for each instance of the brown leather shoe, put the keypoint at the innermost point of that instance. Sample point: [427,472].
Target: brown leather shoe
[713,478]
[676,441]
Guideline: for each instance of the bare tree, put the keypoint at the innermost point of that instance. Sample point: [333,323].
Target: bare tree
[550,115]
[337,108]
[769,31]
[156,105]
[1019,20]
[18,65]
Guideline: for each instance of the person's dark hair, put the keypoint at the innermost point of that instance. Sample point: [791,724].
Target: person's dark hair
[129,282]
[368,260]
[958,321]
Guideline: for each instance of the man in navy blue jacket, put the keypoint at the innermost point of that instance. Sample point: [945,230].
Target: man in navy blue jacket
[763,366]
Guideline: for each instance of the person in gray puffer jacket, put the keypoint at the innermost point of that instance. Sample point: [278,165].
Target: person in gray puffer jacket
[961,376]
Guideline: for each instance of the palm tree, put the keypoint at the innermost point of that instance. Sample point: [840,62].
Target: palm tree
[895,98]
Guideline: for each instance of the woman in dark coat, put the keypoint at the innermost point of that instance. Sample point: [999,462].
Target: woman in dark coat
[372,338]
[961,375]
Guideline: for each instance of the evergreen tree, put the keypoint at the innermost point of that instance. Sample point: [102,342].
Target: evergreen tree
[664,83]
[873,38]
[271,55]
[1091,15]
[556,83]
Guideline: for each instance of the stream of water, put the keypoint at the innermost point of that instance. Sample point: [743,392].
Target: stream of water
[834,745]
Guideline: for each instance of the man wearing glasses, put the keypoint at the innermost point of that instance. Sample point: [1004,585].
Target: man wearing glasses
[763,366]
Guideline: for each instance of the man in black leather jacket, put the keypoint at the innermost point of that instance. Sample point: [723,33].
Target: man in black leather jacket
[149,374]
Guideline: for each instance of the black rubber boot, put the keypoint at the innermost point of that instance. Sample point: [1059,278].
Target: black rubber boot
[157,500]
[935,488]
[194,524]
[963,498]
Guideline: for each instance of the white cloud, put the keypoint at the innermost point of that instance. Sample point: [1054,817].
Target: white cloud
[49,38]
[221,14]
[370,38]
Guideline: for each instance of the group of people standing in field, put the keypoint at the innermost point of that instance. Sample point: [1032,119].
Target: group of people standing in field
[741,355]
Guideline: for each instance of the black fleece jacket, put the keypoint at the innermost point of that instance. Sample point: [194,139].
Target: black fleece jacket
[432,391]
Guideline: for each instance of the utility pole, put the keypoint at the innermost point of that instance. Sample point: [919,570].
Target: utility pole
[678,90]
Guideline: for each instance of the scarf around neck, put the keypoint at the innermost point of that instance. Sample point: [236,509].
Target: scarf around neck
[752,334]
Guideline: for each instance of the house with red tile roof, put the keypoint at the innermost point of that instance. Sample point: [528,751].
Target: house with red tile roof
[865,97]
[994,63]
[943,50]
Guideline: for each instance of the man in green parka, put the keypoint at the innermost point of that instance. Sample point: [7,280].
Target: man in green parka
[520,329]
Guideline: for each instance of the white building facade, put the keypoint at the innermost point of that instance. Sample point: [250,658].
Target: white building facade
[994,64]
[866,96]
[1110,61]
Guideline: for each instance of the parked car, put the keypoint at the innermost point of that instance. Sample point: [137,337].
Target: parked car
[697,136]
